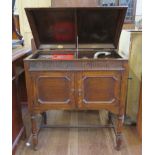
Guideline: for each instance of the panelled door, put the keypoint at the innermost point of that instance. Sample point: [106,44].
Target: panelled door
[54,89]
[97,90]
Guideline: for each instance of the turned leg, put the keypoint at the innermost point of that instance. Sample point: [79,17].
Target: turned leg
[119,128]
[118,141]
[34,132]
[44,116]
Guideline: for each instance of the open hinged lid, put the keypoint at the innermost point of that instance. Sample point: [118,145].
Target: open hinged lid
[95,27]
[100,27]
[52,27]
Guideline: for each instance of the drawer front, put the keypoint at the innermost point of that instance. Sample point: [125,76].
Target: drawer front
[55,89]
[99,89]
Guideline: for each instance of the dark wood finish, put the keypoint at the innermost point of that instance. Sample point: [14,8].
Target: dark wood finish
[96,88]
[69,92]
[15,25]
[103,34]
[53,89]
[17,124]
[18,71]
[34,131]
[19,94]
[20,52]
[78,84]
[33,46]
[15,29]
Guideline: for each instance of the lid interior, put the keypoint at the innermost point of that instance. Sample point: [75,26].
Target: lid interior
[52,26]
[96,27]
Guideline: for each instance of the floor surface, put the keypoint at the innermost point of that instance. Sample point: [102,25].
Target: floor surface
[79,141]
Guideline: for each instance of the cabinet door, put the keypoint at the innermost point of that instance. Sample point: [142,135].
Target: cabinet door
[54,89]
[98,90]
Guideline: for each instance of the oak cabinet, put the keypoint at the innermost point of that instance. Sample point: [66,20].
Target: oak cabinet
[82,90]
[93,77]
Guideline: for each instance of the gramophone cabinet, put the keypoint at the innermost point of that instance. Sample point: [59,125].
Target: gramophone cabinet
[76,65]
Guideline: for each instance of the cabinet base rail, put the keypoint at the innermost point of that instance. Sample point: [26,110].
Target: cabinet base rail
[34,140]
[28,143]
[78,126]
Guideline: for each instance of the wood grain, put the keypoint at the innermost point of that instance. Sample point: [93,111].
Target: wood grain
[99,83]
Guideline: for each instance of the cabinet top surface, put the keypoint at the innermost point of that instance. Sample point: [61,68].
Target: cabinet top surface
[76,27]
